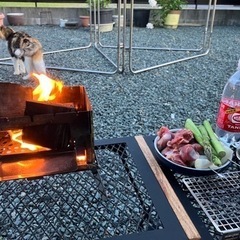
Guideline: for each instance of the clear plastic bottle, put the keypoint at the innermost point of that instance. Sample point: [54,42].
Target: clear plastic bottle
[228,118]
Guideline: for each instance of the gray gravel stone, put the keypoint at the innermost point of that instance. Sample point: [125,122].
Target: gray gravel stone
[131,104]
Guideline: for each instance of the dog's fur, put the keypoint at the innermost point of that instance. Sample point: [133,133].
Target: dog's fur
[26,52]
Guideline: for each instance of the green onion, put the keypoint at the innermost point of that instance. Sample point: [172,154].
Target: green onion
[201,135]
[190,125]
[216,161]
[217,145]
[204,132]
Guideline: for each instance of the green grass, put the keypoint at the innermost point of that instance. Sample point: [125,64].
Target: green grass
[44,5]
[16,4]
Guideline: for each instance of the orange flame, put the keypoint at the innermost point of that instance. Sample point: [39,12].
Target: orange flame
[82,159]
[48,89]
[16,136]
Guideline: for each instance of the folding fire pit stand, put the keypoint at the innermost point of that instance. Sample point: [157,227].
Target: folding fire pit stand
[121,48]
[94,42]
[205,44]
[121,37]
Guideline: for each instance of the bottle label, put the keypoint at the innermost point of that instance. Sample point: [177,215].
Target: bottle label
[228,117]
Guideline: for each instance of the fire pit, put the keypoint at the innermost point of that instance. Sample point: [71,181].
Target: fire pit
[59,130]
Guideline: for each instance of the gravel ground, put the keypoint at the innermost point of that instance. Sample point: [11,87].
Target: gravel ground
[127,104]
[124,104]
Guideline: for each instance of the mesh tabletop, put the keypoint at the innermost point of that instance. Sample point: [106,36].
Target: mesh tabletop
[81,205]
[211,201]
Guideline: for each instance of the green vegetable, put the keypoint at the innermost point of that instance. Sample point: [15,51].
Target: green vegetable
[202,137]
[206,138]
[216,161]
[190,125]
[217,145]
[204,133]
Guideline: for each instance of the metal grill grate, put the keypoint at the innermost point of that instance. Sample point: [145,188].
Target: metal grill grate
[75,206]
[219,197]
[7,146]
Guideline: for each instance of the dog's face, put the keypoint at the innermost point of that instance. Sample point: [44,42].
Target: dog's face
[5,32]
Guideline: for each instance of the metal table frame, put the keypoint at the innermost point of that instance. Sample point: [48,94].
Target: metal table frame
[158,197]
[162,207]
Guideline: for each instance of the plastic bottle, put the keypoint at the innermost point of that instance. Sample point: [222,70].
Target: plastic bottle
[228,118]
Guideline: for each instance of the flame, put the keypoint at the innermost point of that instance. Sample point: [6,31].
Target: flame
[82,159]
[48,89]
[16,136]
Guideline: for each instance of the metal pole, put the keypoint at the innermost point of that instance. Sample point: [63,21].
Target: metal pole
[94,40]
[206,42]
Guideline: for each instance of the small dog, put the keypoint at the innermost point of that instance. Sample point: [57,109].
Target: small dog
[26,52]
